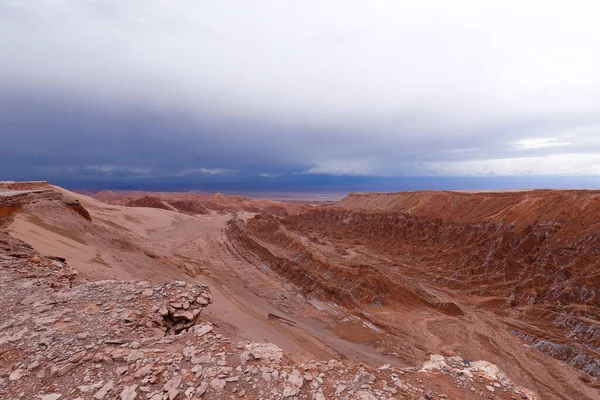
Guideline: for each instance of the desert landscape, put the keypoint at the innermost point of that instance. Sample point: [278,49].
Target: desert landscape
[405,295]
[340,199]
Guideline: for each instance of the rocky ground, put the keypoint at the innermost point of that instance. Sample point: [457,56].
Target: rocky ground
[135,340]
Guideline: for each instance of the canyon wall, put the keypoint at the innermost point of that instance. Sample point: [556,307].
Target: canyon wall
[532,258]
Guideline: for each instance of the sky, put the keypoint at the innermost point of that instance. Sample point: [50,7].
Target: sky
[387,95]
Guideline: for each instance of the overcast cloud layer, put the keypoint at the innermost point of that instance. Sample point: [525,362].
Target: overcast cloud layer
[137,89]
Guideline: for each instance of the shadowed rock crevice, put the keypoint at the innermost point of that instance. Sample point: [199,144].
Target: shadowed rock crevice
[184,311]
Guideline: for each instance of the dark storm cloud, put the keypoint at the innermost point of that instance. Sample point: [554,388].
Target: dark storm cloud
[196,89]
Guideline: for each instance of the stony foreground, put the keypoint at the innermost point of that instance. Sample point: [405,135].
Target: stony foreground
[134,340]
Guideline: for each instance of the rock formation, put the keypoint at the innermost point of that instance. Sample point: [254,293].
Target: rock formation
[15,195]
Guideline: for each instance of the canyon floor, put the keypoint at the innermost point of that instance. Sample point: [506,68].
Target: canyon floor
[412,295]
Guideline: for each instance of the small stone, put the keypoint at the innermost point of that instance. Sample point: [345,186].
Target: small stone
[104,390]
[171,387]
[340,388]
[266,376]
[201,330]
[121,370]
[389,389]
[217,384]
[363,395]
[176,305]
[33,365]
[290,391]
[295,379]
[202,301]
[205,359]
[53,396]
[66,369]
[16,375]
[129,393]
[201,389]
[264,351]
[185,315]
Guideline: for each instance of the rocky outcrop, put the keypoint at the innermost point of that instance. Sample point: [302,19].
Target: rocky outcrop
[76,206]
[524,207]
[190,207]
[13,200]
[6,211]
[27,185]
[147,201]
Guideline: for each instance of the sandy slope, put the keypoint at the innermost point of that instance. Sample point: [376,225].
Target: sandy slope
[117,245]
